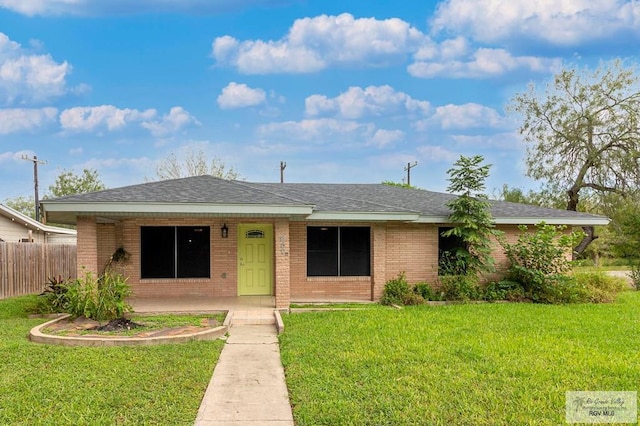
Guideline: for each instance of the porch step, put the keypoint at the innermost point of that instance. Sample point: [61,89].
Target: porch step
[257,317]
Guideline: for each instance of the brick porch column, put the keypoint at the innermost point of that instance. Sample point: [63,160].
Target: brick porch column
[283,268]
[87,246]
[379,260]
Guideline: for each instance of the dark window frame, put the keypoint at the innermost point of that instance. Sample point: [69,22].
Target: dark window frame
[451,244]
[344,251]
[175,252]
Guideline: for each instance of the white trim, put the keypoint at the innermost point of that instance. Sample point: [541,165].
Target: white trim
[305,211]
[364,216]
[577,221]
[34,224]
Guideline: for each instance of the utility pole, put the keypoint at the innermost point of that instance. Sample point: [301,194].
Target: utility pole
[35,180]
[408,170]
[283,165]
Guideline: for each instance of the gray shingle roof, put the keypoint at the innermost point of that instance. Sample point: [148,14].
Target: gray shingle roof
[345,198]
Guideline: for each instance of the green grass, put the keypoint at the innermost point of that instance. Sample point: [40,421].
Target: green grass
[43,384]
[601,268]
[346,305]
[488,364]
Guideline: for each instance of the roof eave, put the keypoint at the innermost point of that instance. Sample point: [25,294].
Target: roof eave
[569,221]
[177,208]
[363,216]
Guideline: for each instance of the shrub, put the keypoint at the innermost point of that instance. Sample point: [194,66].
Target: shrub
[398,292]
[600,287]
[503,290]
[539,264]
[544,250]
[427,292]
[546,288]
[460,287]
[54,298]
[100,298]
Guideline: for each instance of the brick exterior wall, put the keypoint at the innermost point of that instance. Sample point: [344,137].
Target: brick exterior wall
[395,248]
[305,288]
[87,245]
[282,263]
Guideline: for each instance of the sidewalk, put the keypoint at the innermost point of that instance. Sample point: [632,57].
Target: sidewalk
[248,386]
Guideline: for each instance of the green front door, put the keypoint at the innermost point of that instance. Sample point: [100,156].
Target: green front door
[255,260]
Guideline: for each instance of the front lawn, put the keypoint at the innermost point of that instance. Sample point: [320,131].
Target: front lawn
[43,384]
[492,364]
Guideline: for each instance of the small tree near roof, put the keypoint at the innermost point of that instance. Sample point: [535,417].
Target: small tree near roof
[471,215]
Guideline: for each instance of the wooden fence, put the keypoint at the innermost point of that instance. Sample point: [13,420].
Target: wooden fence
[25,268]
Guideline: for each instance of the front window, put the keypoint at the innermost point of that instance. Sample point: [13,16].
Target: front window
[175,252]
[448,247]
[338,251]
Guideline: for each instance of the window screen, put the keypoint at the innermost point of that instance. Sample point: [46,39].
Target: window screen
[175,252]
[338,251]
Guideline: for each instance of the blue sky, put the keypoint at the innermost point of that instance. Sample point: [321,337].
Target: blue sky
[340,91]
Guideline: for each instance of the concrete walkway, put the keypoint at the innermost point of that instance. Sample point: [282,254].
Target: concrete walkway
[248,386]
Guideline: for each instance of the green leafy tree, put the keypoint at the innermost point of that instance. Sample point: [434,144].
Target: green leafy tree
[625,228]
[194,163]
[68,183]
[24,205]
[471,215]
[543,198]
[583,133]
[398,184]
[544,250]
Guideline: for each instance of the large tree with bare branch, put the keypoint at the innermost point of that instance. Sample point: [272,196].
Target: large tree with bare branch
[582,132]
[194,163]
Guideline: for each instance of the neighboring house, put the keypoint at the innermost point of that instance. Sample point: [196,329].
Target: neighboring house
[17,227]
[211,237]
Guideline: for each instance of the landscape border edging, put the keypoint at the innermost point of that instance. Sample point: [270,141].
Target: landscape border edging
[37,336]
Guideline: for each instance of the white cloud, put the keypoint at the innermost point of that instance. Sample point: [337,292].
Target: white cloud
[15,156]
[313,44]
[88,119]
[324,130]
[437,154]
[357,102]
[383,137]
[14,120]
[128,7]
[111,118]
[236,95]
[502,141]
[27,78]
[177,119]
[484,63]
[558,22]
[464,116]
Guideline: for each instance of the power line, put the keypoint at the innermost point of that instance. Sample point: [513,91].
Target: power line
[283,165]
[35,180]
[408,170]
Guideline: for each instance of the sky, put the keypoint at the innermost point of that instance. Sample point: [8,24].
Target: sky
[343,92]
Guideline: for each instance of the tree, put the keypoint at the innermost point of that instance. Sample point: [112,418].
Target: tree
[194,164]
[543,198]
[68,183]
[471,214]
[398,184]
[24,205]
[583,133]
